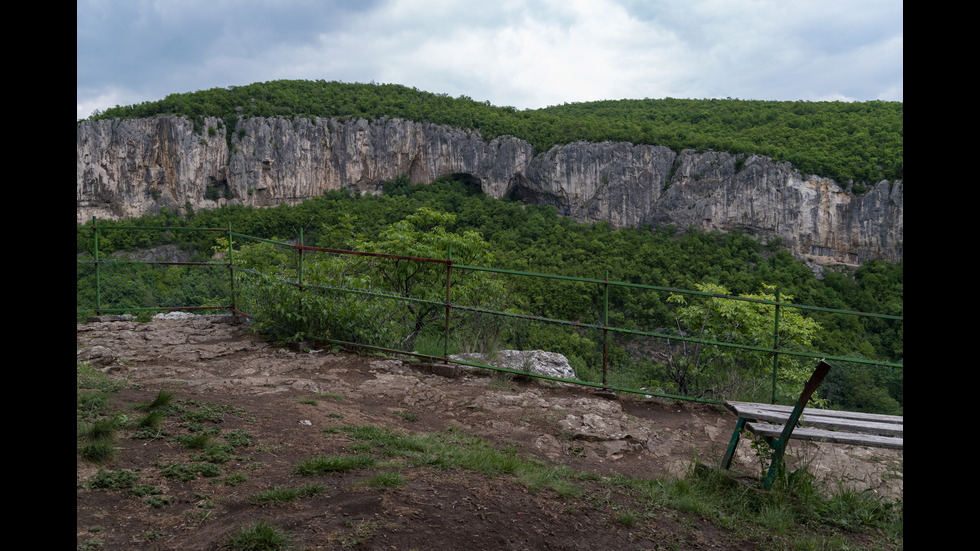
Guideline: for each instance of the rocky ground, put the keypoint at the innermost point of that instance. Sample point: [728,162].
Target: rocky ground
[295,404]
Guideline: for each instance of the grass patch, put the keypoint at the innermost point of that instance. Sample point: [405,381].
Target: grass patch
[163,401]
[189,471]
[116,479]
[386,480]
[98,451]
[258,536]
[333,464]
[286,494]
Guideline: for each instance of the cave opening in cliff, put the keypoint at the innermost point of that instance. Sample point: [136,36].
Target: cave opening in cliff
[472,184]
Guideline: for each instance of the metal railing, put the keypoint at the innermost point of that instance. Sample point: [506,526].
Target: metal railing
[109,285]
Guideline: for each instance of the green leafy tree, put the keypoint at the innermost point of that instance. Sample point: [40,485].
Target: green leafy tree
[704,368]
[426,234]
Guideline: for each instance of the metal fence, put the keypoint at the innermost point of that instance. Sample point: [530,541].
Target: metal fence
[440,311]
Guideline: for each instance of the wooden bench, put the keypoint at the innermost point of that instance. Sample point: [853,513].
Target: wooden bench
[778,424]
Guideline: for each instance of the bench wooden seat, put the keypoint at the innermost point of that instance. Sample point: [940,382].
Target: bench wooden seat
[823,425]
[778,424]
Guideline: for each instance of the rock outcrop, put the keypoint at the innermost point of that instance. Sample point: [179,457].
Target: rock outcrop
[126,168]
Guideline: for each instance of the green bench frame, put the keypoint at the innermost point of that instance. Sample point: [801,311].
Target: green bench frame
[778,424]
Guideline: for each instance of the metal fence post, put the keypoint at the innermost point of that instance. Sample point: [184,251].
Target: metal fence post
[231,269]
[605,326]
[775,348]
[299,262]
[98,276]
[449,283]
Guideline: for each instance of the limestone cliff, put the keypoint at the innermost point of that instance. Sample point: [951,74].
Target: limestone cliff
[129,167]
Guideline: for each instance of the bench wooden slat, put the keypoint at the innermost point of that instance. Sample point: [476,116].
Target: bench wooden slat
[824,419]
[818,435]
[876,417]
[780,424]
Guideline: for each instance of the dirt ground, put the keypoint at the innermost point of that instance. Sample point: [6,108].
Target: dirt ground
[294,403]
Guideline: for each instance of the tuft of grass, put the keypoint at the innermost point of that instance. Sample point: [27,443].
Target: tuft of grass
[286,494]
[333,464]
[116,479]
[258,536]
[385,480]
[162,401]
[98,451]
[407,415]
[189,471]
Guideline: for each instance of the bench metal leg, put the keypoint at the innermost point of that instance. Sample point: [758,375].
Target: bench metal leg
[727,461]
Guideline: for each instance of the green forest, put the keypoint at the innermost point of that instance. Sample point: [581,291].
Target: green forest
[856,143]
[424,219]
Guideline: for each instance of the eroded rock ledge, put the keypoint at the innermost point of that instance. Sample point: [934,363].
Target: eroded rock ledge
[126,168]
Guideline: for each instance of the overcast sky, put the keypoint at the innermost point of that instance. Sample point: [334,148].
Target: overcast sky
[526,54]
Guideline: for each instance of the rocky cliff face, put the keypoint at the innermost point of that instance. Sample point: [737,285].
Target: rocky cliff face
[129,167]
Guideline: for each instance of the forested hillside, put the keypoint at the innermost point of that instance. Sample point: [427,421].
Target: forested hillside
[856,144]
[535,239]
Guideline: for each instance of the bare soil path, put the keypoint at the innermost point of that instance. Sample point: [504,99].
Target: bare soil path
[294,405]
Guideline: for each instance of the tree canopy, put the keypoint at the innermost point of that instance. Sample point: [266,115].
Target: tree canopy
[847,141]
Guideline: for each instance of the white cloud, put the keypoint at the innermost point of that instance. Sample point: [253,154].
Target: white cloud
[527,54]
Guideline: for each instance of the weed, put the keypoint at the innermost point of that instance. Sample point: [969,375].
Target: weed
[258,536]
[627,519]
[102,429]
[162,401]
[386,479]
[143,490]
[215,452]
[407,415]
[285,494]
[234,479]
[112,480]
[152,420]
[158,502]
[98,451]
[189,471]
[333,464]
[90,404]
[197,441]
[238,438]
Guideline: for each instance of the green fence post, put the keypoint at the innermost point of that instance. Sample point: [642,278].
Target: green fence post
[299,263]
[775,348]
[605,326]
[449,283]
[98,277]
[231,268]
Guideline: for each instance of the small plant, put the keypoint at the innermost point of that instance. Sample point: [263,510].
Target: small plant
[259,536]
[333,464]
[98,451]
[143,490]
[238,438]
[189,471]
[158,502]
[234,479]
[112,480]
[196,441]
[408,415]
[386,479]
[163,400]
[286,494]
[626,519]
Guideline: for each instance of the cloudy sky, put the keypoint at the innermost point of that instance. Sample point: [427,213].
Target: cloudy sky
[526,54]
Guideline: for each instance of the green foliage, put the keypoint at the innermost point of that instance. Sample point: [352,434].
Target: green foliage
[258,536]
[324,464]
[859,141]
[514,236]
[703,368]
